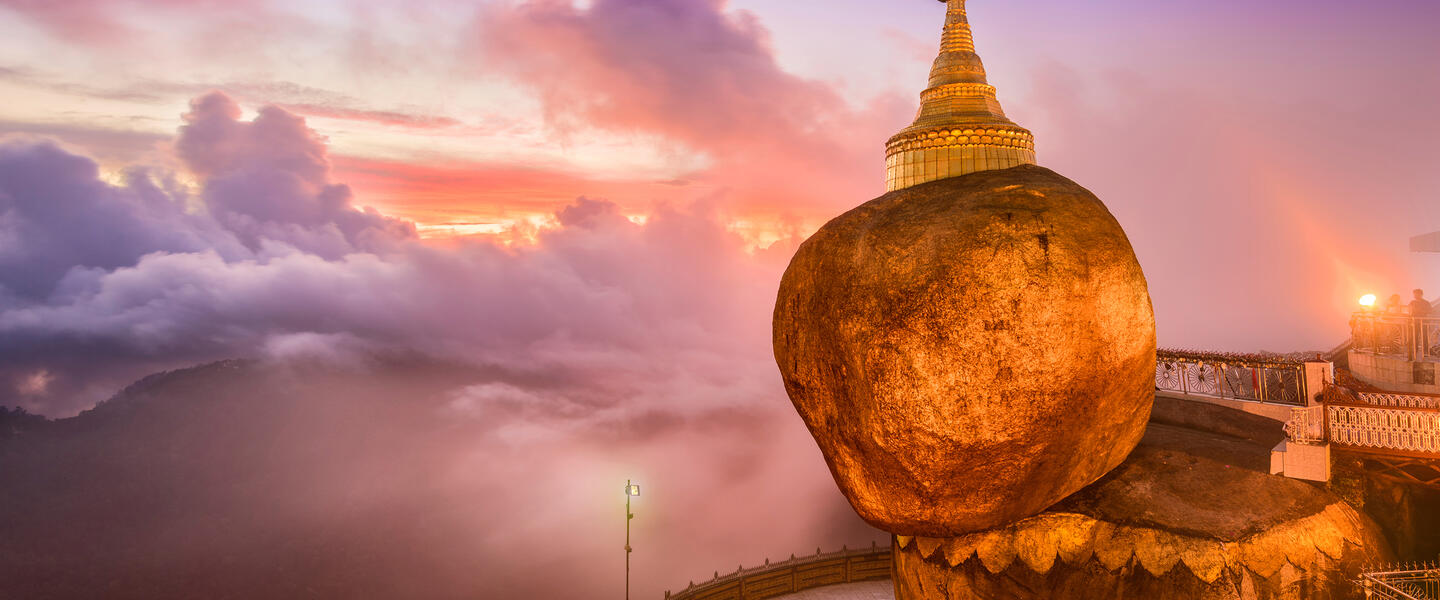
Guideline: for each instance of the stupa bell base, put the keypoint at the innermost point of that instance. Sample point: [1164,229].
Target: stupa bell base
[955,152]
[960,127]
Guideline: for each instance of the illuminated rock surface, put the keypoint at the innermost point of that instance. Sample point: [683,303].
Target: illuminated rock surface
[1184,518]
[968,351]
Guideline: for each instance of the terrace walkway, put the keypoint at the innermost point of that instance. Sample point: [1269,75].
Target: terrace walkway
[869,590]
[1398,433]
[818,573]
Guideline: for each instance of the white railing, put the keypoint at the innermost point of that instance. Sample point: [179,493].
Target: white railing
[1390,400]
[1407,424]
[1404,430]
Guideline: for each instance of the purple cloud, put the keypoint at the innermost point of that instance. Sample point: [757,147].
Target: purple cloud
[268,179]
[57,215]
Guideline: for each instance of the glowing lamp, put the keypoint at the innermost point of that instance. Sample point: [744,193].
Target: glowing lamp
[1368,301]
[632,490]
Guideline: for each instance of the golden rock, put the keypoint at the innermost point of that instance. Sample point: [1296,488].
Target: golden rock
[968,351]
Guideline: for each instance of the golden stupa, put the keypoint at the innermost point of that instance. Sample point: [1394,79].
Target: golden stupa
[977,343]
[960,128]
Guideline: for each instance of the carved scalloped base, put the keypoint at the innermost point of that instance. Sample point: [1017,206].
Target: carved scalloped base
[1062,556]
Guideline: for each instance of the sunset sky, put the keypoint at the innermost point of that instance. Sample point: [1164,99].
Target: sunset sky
[474,116]
[1268,160]
[594,200]
[1230,138]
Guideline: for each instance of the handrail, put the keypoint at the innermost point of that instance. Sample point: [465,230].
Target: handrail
[1414,338]
[1411,409]
[1386,591]
[1399,400]
[1415,581]
[1238,358]
[869,564]
[1267,379]
[1370,422]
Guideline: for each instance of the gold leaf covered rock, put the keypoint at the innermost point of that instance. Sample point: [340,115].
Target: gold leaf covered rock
[968,351]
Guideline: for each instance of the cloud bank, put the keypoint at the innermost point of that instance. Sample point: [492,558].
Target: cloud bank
[105,281]
[605,345]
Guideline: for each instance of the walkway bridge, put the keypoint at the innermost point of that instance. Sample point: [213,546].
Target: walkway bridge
[1396,434]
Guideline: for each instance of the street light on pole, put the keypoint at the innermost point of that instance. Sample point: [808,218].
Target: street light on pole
[631,490]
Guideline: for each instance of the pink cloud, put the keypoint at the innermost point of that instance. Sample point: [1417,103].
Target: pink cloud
[433,193]
[694,74]
[97,21]
[380,117]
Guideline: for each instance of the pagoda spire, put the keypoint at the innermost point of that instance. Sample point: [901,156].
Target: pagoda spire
[960,127]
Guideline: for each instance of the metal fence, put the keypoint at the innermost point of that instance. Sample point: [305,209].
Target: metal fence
[1253,379]
[1402,582]
[793,575]
[1396,335]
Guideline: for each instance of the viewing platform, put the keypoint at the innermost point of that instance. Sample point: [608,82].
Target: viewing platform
[1399,433]
[1395,352]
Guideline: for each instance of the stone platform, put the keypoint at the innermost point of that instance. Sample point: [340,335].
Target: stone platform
[1190,515]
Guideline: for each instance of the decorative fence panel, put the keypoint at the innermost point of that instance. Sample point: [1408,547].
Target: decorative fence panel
[794,575]
[1393,429]
[1390,400]
[1376,422]
[1235,377]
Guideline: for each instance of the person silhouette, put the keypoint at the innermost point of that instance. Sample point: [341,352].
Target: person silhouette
[1420,307]
[1419,312]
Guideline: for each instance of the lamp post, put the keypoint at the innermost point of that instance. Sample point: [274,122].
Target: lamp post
[631,490]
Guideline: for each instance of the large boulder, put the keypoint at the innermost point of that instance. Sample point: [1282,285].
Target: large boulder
[968,351]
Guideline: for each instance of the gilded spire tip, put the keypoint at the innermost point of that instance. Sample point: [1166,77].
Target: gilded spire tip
[960,127]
